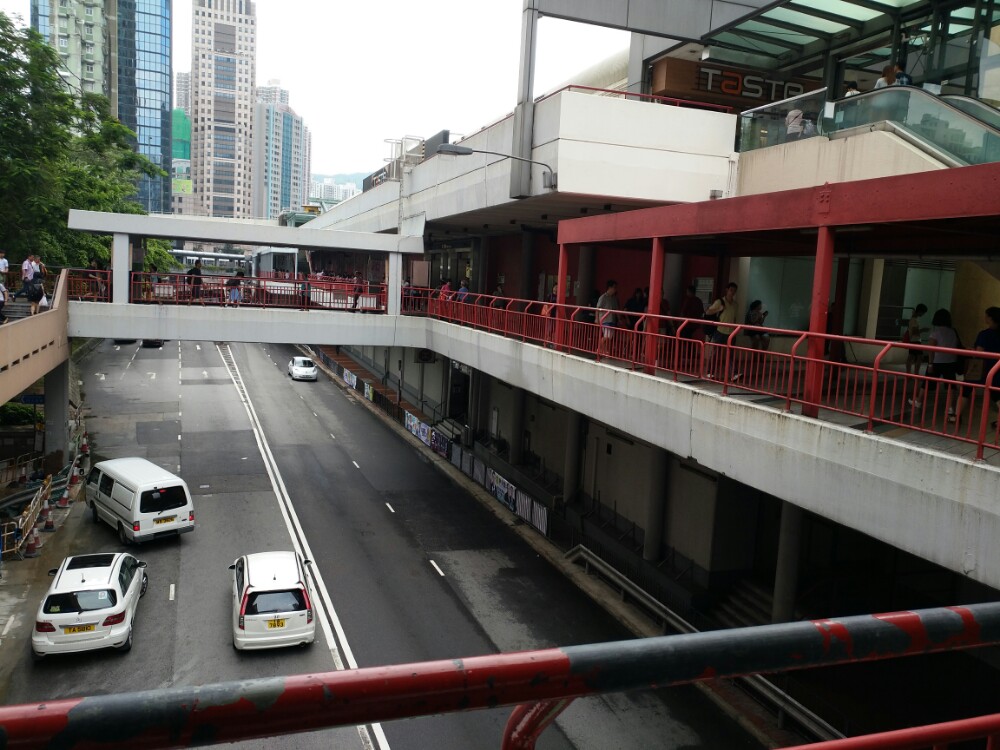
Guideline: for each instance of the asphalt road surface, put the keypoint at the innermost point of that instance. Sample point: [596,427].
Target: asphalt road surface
[412,567]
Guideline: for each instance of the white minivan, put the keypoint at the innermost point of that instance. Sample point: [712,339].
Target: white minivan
[139,499]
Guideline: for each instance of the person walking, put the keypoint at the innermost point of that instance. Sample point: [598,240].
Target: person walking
[27,274]
[725,308]
[359,287]
[756,314]
[943,365]
[607,317]
[4,268]
[988,340]
[194,276]
[912,335]
[3,300]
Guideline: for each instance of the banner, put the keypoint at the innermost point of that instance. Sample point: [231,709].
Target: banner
[350,378]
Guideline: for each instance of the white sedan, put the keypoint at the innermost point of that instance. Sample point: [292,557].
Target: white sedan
[90,605]
[302,368]
[272,601]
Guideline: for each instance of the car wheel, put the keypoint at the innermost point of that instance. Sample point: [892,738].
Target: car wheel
[121,535]
[93,513]
[145,583]
[127,646]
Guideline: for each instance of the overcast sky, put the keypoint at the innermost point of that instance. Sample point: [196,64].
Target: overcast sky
[363,71]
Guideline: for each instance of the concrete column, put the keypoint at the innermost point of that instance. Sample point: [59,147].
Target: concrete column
[822,274]
[655,296]
[57,412]
[871,290]
[673,280]
[574,451]
[528,281]
[786,576]
[585,274]
[121,265]
[479,280]
[524,112]
[517,428]
[656,504]
[394,284]
[561,273]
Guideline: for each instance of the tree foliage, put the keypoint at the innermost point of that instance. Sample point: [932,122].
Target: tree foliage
[58,150]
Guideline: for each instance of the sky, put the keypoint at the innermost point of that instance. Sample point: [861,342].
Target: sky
[363,71]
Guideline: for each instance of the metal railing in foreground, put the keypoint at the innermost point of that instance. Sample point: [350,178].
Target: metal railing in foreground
[809,373]
[541,683]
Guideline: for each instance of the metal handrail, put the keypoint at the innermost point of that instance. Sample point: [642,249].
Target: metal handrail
[760,686]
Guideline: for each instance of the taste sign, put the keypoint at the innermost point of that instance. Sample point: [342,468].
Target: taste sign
[747,85]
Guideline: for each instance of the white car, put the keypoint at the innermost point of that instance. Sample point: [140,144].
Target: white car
[272,601]
[302,368]
[90,605]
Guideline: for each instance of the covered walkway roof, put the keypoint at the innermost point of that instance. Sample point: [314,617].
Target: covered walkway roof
[243,232]
[948,213]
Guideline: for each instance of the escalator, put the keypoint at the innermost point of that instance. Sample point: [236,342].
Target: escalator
[958,131]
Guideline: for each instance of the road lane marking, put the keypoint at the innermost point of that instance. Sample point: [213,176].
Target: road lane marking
[6,628]
[355,464]
[440,572]
[333,436]
[152,375]
[390,508]
[324,606]
[198,347]
[171,596]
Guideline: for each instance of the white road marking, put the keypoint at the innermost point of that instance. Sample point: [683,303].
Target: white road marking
[243,459]
[355,464]
[100,375]
[316,415]
[333,436]
[7,627]
[198,347]
[178,437]
[152,375]
[117,348]
[172,590]
[390,508]
[179,413]
[204,373]
[204,486]
[324,606]
[440,572]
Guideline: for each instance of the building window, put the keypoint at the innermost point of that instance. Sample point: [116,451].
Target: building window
[90,10]
[63,42]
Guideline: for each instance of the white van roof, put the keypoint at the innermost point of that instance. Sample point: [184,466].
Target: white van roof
[138,470]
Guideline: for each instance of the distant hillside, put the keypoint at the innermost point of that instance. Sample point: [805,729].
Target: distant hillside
[343,179]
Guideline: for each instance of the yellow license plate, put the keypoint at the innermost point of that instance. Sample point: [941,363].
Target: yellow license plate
[78,629]
[276,623]
[168,519]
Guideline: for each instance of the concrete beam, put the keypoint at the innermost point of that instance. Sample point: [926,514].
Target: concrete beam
[240,232]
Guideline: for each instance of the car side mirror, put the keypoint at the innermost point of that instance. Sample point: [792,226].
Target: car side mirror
[308,562]
[53,571]
[141,563]
[233,566]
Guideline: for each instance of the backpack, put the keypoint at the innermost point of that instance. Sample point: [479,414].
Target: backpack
[35,291]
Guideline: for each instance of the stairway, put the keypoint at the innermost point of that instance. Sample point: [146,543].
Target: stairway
[746,604]
[16,310]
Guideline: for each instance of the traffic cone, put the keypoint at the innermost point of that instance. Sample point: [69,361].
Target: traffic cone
[50,520]
[74,476]
[31,547]
[85,445]
[64,499]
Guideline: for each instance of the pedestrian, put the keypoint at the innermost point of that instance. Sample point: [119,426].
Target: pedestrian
[3,300]
[725,308]
[359,287]
[988,340]
[635,305]
[4,267]
[852,88]
[888,77]
[235,289]
[944,365]
[27,274]
[35,293]
[549,313]
[463,290]
[608,320]
[692,307]
[913,335]
[755,316]
[902,77]
[194,276]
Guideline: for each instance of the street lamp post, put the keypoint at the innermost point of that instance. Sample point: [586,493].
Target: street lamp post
[453,149]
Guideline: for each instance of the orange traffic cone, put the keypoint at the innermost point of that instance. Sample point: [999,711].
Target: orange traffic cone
[85,445]
[64,499]
[31,546]
[50,520]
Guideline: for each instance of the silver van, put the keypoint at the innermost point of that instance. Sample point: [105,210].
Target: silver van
[139,499]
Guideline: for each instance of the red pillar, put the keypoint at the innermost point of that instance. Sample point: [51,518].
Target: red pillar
[655,295]
[822,273]
[561,296]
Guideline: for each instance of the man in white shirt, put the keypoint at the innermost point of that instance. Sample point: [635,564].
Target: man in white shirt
[4,266]
[27,274]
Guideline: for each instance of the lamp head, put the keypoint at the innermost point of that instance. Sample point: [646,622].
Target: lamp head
[454,149]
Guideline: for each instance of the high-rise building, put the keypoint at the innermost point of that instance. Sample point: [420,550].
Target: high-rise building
[223,70]
[281,158]
[182,92]
[144,90]
[121,50]
[272,93]
[182,202]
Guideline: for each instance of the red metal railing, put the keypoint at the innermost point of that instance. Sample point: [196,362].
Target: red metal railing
[541,683]
[807,374]
[930,737]
[89,285]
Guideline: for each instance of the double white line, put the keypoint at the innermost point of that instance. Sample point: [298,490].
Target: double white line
[332,628]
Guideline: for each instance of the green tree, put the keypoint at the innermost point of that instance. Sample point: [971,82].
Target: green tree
[57,151]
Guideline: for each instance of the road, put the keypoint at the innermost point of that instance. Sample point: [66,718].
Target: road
[414,568]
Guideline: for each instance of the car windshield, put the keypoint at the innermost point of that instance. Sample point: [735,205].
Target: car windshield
[271,602]
[80,601]
[162,498]
[304,363]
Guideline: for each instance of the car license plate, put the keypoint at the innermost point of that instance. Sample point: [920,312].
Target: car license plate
[168,519]
[275,623]
[78,629]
